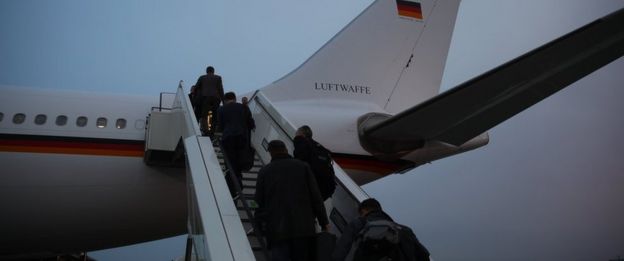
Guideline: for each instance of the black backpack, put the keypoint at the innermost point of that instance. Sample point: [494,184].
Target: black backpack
[385,240]
[379,240]
[323,168]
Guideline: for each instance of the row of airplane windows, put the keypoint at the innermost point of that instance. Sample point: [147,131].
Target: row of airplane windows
[61,120]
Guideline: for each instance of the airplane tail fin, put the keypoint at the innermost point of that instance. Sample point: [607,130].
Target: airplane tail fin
[391,55]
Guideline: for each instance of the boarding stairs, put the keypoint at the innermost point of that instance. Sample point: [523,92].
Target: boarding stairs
[245,203]
[220,227]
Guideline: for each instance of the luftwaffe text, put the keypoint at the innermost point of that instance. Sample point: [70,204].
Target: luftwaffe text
[335,87]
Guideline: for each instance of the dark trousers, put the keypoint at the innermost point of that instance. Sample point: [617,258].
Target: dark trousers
[232,148]
[295,249]
[208,114]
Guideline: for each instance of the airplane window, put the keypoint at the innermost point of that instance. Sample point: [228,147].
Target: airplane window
[19,118]
[101,122]
[40,119]
[81,121]
[121,124]
[1,116]
[61,120]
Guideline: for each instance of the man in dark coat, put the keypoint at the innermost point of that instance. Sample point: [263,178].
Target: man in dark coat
[210,92]
[307,150]
[233,120]
[370,210]
[287,193]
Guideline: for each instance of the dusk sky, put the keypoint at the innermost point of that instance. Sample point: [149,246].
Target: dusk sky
[549,186]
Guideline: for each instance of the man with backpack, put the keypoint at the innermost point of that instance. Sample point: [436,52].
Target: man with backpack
[375,236]
[319,159]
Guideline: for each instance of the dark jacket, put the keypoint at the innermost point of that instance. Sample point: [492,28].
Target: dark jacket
[414,251]
[287,193]
[251,124]
[324,174]
[210,85]
[303,150]
[233,119]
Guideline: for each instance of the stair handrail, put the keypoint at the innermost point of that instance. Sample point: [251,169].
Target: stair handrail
[239,190]
[344,210]
[160,101]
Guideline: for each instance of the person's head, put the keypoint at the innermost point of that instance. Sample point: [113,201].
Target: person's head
[210,70]
[244,100]
[193,88]
[304,131]
[369,205]
[277,147]
[229,97]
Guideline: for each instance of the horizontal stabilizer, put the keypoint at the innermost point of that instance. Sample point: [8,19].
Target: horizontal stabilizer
[462,113]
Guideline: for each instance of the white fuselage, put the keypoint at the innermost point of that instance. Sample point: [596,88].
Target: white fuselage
[67,188]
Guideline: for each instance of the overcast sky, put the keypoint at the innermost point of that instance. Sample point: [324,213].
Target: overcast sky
[549,186]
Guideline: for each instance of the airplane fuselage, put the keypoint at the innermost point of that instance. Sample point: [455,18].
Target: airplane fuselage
[73,176]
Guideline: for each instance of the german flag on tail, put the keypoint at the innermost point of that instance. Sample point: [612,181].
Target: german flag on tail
[409,8]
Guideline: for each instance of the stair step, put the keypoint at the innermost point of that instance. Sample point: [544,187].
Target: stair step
[253,241]
[219,153]
[242,214]
[249,191]
[249,180]
[250,173]
[250,202]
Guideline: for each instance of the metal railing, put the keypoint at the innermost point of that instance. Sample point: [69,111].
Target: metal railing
[160,102]
[215,231]
[348,194]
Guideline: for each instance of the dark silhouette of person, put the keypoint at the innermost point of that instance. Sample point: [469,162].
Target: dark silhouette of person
[310,151]
[251,124]
[232,119]
[288,195]
[210,92]
[370,210]
[193,97]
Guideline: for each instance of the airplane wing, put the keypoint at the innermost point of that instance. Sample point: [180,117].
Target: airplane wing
[462,113]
